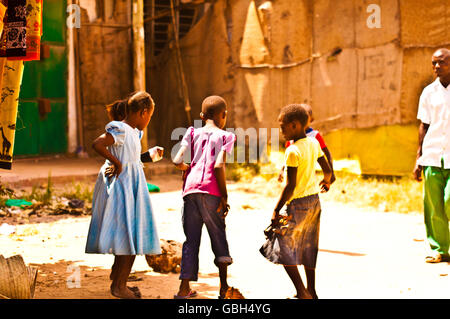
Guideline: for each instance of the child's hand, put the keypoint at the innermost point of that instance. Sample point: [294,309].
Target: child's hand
[333,178]
[156,153]
[184,175]
[160,151]
[109,171]
[117,169]
[324,186]
[281,177]
[275,218]
[417,173]
[223,207]
[182,166]
[113,170]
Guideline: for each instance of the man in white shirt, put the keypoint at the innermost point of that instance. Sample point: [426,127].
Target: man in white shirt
[433,156]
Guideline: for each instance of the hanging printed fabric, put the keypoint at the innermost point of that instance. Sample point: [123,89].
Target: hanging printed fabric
[34,31]
[16,28]
[3,37]
[11,75]
[2,15]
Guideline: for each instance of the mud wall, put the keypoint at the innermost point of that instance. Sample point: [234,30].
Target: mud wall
[106,67]
[262,55]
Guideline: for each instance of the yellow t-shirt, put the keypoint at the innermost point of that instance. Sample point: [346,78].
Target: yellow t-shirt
[303,154]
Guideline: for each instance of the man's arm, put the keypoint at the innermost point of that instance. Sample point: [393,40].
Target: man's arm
[423,129]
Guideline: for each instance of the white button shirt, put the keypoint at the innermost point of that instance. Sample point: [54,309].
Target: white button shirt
[434,109]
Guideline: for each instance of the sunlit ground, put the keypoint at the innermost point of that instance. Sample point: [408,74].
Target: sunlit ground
[367,249]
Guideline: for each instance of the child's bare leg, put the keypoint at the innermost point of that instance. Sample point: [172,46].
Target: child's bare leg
[293,273]
[122,271]
[223,267]
[113,269]
[311,281]
[113,274]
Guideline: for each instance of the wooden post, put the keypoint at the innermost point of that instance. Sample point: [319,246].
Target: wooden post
[187,105]
[139,54]
[78,90]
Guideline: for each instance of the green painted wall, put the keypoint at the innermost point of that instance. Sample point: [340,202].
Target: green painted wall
[47,78]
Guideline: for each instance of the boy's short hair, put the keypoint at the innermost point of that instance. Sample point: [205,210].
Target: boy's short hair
[294,112]
[213,105]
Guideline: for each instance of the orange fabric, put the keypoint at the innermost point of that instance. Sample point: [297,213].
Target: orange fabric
[34,31]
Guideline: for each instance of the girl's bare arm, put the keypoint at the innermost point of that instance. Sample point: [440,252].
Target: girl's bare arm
[100,146]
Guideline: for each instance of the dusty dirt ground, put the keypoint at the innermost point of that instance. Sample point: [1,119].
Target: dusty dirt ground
[363,254]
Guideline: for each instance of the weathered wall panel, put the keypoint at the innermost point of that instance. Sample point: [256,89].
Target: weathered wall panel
[334,91]
[425,23]
[417,73]
[389,30]
[261,55]
[379,86]
[291,31]
[106,68]
[333,25]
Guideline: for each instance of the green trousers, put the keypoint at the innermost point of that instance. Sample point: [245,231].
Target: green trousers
[437,208]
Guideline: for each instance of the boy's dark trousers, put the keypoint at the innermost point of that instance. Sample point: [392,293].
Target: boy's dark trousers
[199,209]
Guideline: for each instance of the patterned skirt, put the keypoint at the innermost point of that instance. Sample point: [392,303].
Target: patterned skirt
[299,245]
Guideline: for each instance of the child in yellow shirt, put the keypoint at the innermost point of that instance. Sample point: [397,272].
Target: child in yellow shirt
[299,245]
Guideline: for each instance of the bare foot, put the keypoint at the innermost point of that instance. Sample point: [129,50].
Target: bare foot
[123,293]
[313,294]
[223,292]
[304,295]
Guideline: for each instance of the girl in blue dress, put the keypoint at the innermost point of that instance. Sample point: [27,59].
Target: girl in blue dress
[122,221]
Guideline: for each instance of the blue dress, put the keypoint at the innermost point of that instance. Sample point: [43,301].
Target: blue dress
[122,219]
